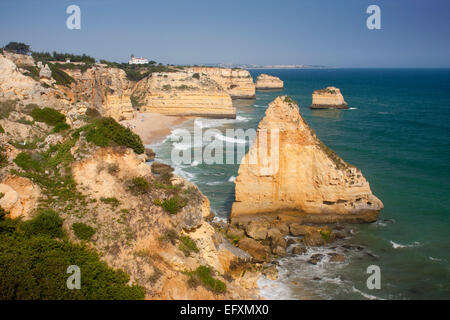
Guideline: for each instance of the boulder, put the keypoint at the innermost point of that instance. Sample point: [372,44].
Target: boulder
[258,251]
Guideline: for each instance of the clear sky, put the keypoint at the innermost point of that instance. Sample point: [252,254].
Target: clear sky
[414,33]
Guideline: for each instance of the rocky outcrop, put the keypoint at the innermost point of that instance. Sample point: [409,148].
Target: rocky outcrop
[183,94]
[14,84]
[268,82]
[106,89]
[19,196]
[299,179]
[238,83]
[328,98]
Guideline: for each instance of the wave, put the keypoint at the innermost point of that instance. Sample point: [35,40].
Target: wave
[212,123]
[194,163]
[365,295]
[352,108]
[229,139]
[401,246]
[231,179]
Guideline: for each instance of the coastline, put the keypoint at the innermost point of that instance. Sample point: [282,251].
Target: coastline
[153,128]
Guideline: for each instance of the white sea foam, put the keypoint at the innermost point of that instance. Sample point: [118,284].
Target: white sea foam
[352,108]
[434,259]
[214,183]
[401,246]
[212,123]
[229,139]
[231,179]
[365,295]
[273,289]
[194,163]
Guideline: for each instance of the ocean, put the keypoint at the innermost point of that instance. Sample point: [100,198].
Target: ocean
[397,131]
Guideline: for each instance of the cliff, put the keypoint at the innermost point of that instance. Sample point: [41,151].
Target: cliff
[268,82]
[183,94]
[308,181]
[237,82]
[152,226]
[327,98]
[106,89]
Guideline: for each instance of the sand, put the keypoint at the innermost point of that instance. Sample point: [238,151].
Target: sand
[153,127]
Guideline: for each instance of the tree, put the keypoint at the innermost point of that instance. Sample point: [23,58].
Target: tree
[17,47]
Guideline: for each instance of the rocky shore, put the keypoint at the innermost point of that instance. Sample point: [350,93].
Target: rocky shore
[268,82]
[328,98]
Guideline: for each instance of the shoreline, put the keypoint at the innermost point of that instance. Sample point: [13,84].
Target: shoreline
[153,128]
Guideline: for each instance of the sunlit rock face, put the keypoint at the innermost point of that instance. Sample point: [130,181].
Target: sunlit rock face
[328,98]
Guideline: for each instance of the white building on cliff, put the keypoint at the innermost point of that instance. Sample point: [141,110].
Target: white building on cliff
[134,60]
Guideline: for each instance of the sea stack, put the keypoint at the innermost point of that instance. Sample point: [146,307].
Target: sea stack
[304,181]
[328,98]
[268,82]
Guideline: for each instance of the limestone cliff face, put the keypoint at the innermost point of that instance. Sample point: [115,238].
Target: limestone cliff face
[329,97]
[14,84]
[308,181]
[106,89]
[183,93]
[268,82]
[237,82]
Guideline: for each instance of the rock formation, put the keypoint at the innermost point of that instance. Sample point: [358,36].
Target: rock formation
[237,82]
[183,94]
[328,98]
[106,89]
[299,178]
[268,82]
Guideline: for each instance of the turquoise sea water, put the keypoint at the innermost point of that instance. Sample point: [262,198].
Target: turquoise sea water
[397,132]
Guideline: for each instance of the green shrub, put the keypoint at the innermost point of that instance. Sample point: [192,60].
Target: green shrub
[92,113]
[106,131]
[3,158]
[139,185]
[1,129]
[50,116]
[196,75]
[33,71]
[61,127]
[326,234]
[46,222]
[156,275]
[203,275]
[83,231]
[188,245]
[25,161]
[34,268]
[174,204]
[157,202]
[61,77]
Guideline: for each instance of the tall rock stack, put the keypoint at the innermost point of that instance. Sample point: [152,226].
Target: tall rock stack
[307,181]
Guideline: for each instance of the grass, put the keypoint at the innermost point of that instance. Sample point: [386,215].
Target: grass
[32,71]
[6,107]
[26,162]
[1,129]
[83,231]
[113,202]
[187,245]
[3,158]
[203,276]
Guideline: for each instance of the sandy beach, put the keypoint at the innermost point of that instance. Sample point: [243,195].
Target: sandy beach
[153,127]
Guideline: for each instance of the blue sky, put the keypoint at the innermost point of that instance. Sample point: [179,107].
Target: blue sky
[415,33]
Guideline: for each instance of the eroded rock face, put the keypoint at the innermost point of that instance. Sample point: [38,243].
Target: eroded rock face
[268,82]
[304,180]
[20,196]
[237,82]
[106,89]
[183,94]
[328,98]
[15,85]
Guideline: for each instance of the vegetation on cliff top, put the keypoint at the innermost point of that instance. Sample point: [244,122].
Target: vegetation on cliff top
[203,276]
[105,132]
[45,254]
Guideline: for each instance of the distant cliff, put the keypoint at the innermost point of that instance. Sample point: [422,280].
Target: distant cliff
[310,183]
[268,82]
[237,82]
[183,94]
